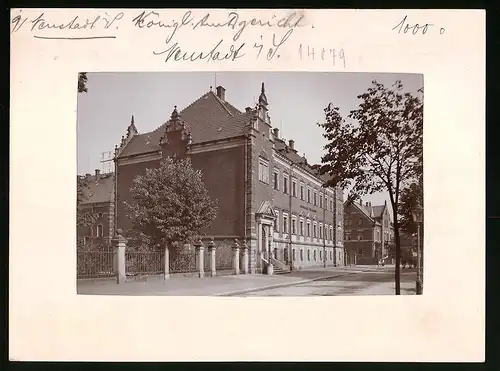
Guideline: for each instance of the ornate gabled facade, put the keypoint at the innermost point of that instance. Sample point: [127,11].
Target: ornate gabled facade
[259,180]
[368,232]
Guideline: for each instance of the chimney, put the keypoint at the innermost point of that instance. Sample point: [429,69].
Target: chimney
[97,172]
[361,202]
[248,109]
[276,132]
[221,93]
[291,144]
[367,203]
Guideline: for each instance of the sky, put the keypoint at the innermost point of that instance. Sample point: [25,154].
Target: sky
[296,103]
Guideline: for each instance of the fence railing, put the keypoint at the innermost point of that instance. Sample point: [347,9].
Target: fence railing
[95,263]
[141,263]
[182,263]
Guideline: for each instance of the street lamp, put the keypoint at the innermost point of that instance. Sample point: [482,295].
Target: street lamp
[417,215]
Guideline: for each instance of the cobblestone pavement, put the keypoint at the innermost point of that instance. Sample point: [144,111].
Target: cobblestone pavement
[360,283]
[331,281]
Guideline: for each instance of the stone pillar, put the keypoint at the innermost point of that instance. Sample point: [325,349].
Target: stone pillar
[166,268]
[199,248]
[211,254]
[121,244]
[236,257]
[245,258]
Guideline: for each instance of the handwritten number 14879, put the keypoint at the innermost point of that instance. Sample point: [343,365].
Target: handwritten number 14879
[307,52]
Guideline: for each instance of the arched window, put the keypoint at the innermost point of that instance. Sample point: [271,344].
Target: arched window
[99,230]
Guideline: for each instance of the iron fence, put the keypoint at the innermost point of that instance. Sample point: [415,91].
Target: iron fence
[141,263]
[95,263]
[182,263]
[224,258]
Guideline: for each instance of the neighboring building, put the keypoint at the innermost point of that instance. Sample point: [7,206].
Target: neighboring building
[268,195]
[368,232]
[98,201]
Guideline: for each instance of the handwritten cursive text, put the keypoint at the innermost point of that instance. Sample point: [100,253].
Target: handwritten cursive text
[175,53]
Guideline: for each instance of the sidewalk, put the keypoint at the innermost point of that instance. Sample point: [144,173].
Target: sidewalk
[207,286]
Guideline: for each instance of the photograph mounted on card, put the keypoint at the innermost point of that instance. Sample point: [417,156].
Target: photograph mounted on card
[226,171]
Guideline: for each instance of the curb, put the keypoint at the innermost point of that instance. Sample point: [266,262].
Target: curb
[287,284]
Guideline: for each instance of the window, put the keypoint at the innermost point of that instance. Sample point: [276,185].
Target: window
[347,223]
[331,233]
[360,237]
[99,230]
[320,231]
[315,197]
[308,195]
[86,239]
[314,255]
[263,171]
[325,231]
[331,205]
[320,255]
[360,222]
[276,180]
[294,226]
[321,202]
[285,224]
[99,215]
[301,228]
[294,188]
[301,255]
[302,192]
[308,255]
[276,225]
[308,229]
[314,230]
[331,255]
[326,202]
[348,237]
[360,252]
[285,184]
[293,254]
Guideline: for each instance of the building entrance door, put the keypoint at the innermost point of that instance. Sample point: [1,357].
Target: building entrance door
[263,243]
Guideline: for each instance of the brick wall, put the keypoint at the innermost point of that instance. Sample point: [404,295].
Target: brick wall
[223,174]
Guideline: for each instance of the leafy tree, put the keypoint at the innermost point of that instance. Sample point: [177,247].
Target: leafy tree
[82,82]
[377,147]
[171,204]
[82,219]
[410,198]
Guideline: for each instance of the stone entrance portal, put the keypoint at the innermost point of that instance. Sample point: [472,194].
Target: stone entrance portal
[265,218]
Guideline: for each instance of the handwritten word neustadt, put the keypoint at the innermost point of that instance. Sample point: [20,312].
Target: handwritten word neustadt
[310,53]
[41,23]
[232,21]
[404,27]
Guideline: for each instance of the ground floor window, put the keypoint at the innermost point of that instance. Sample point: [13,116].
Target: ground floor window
[331,255]
[293,254]
[301,255]
[308,255]
[314,255]
[320,255]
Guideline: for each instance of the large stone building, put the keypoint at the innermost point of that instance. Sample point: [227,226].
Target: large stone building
[98,203]
[368,232]
[268,195]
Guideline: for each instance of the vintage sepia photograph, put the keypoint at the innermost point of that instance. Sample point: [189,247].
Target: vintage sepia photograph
[250,184]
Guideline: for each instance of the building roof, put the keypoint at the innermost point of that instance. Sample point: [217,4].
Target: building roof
[98,188]
[300,161]
[378,210]
[208,118]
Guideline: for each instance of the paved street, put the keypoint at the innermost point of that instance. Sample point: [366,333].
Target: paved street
[359,283]
[330,281]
